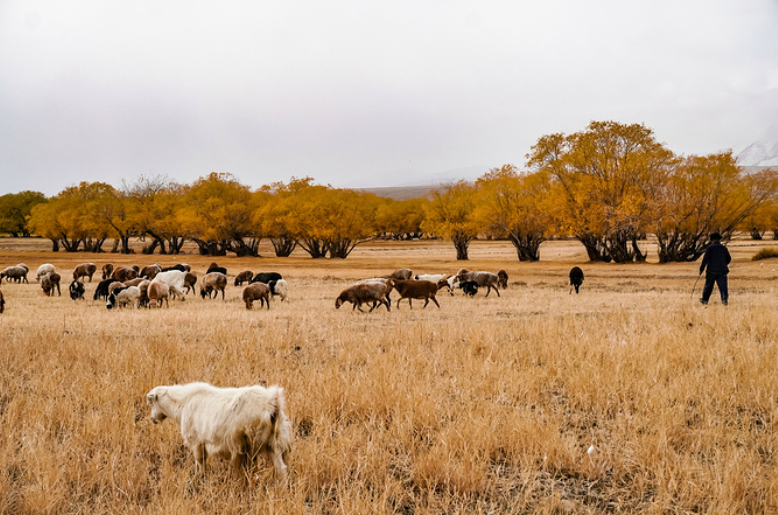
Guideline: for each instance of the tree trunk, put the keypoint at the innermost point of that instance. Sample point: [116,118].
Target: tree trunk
[461,243]
[283,245]
[54,244]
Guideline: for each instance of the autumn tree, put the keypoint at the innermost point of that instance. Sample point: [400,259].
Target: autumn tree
[218,216]
[156,209]
[706,194]
[15,208]
[65,220]
[400,219]
[515,206]
[608,175]
[273,217]
[450,215]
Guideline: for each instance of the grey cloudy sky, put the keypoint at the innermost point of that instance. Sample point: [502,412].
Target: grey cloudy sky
[365,93]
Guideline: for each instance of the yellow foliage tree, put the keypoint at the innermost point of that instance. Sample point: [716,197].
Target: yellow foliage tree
[516,206]
[608,176]
[705,194]
[450,215]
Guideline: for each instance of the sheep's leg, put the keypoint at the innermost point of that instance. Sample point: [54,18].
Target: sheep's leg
[410,303]
[222,293]
[435,301]
[388,304]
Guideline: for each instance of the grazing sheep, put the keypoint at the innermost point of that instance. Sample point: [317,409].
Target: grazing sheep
[482,279]
[502,279]
[244,277]
[213,267]
[49,282]
[468,287]
[107,271]
[84,270]
[403,274]
[174,280]
[358,294]
[213,282]
[238,424]
[115,286]
[122,296]
[280,288]
[43,270]
[157,292]
[256,291]
[143,302]
[2,302]
[181,267]
[576,279]
[26,268]
[190,279]
[150,271]
[416,290]
[101,292]
[14,273]
[266,277]
[125,273]
[77,290]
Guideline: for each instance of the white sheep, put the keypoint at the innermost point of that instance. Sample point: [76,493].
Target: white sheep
[174,280]
[44,269]
[123,296]
[237,424]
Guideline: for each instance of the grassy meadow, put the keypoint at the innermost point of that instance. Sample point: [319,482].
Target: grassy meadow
[487,405]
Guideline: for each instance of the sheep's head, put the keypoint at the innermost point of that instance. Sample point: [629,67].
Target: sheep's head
[152,399]
[339,302]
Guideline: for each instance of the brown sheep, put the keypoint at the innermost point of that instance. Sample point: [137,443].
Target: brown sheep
[84,270]
[502,279]
[115,286]
[256,291]
[150,271]
[190,279]
[143,286]
[402,274]
[49,282]
[244,277]
[212,283]
[416,290]
[157,292]
[482,279]
[134,282]
[125,273]
[107,271]
[358,294]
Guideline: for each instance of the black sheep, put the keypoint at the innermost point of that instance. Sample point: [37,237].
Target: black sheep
[266,277]
[576,279]
[101,292]
[76,290]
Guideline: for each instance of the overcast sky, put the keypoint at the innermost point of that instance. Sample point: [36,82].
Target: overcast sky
[365,93]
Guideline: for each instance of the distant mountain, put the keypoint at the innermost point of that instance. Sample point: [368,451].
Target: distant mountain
[759,153]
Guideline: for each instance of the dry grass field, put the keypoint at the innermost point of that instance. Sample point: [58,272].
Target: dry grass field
[487,405]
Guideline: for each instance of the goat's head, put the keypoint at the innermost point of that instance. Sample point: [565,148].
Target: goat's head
[152,399]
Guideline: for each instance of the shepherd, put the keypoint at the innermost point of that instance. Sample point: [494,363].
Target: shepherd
[716,259]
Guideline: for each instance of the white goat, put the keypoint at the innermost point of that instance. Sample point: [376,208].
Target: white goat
[234,423]
[174,280]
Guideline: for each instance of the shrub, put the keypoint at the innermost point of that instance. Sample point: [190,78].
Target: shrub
[765,253]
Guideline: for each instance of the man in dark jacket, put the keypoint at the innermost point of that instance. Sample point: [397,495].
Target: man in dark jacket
[716,259]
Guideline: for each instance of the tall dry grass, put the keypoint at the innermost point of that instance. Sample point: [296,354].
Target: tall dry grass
[487,405]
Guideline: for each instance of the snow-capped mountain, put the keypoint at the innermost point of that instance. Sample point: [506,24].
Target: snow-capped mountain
[759,153]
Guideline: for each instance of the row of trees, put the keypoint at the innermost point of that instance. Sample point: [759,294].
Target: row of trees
[609,186]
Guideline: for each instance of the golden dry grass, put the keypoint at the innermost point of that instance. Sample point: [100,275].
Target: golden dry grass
[487,405]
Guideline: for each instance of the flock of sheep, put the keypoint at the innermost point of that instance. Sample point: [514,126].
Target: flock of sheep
[240,424]
[153,285]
